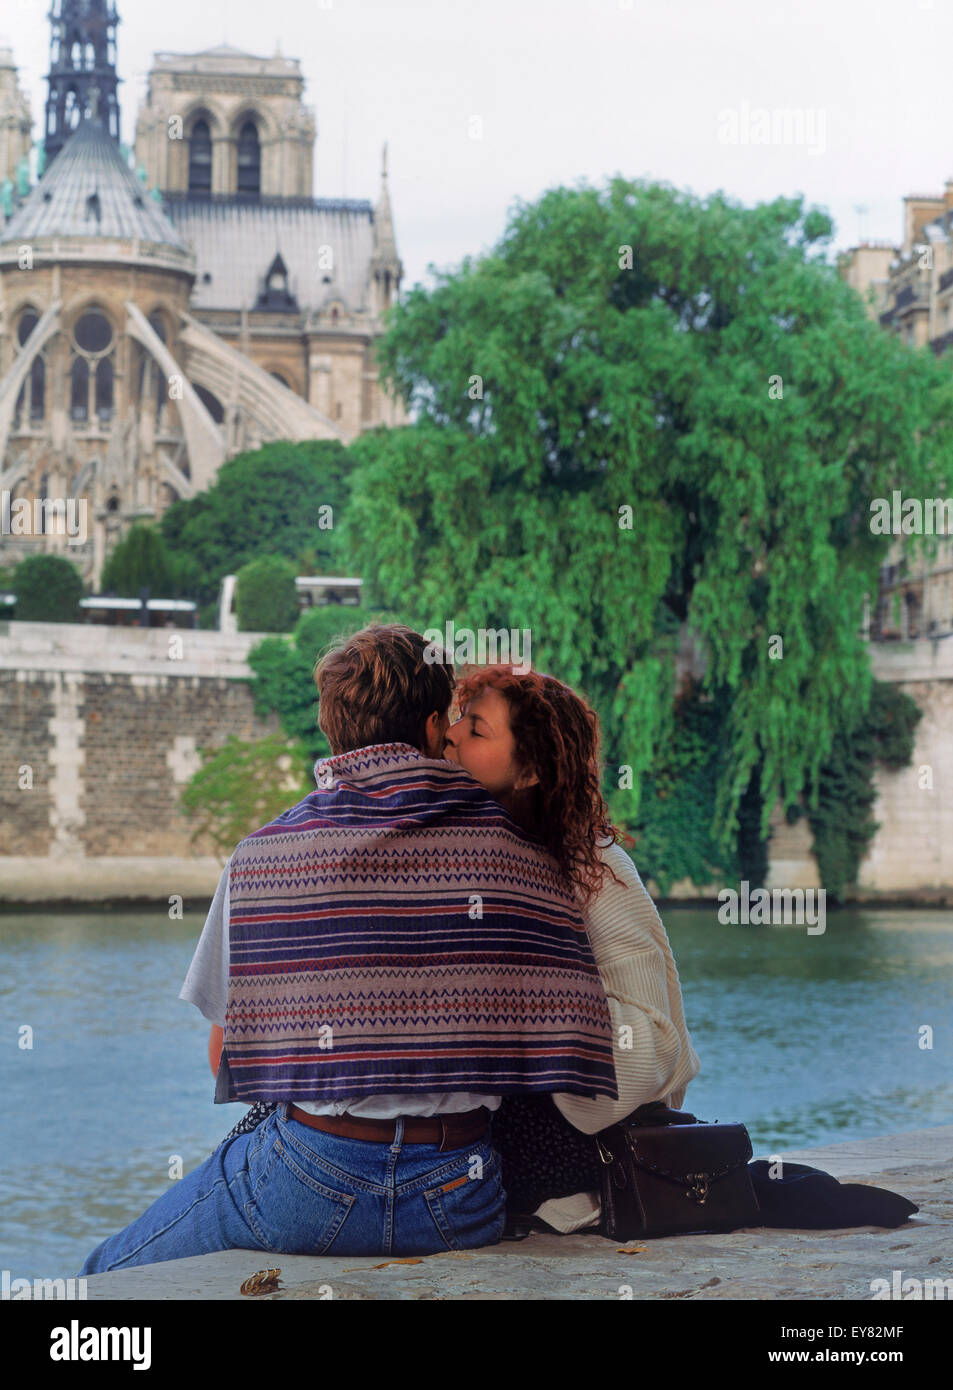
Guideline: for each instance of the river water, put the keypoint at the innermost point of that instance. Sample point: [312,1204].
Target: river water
[807,1039]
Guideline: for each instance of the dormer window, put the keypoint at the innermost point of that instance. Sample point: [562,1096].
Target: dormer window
[275,293]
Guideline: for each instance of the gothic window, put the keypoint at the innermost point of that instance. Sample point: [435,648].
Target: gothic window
[92,368]
[75,55]
[90,56]
[34,389]
[71,110]
[104,389]
[79,390]
[37,389]
[249,159]
[200,158]
[93,332]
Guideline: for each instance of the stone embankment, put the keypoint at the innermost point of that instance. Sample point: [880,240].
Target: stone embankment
[749,1264]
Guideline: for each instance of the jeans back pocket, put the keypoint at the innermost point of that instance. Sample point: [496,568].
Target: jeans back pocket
[469,1206]
[290,1210]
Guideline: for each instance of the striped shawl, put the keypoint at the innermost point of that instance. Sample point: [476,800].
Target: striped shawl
[397,932]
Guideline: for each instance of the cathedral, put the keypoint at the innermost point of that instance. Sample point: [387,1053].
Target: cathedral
[166,308]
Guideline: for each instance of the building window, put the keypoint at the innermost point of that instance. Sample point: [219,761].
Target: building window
[275,292]
[249,159]
[71,110]
[93,332]
[37,389]
[92,368]
[104,389]
[33,391]
[79,390]
[200,158]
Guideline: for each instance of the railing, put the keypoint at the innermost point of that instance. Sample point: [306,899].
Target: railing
[180,198]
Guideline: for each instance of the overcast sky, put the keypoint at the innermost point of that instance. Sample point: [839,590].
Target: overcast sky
[570,90]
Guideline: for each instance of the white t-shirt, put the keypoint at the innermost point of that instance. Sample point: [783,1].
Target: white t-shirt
[206,986]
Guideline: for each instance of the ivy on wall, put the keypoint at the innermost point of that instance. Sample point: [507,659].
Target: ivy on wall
[842,818]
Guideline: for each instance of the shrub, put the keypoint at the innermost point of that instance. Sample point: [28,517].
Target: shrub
[48,590]
[266,599]
[139,561]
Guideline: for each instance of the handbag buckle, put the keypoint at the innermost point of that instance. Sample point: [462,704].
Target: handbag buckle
[699,1187]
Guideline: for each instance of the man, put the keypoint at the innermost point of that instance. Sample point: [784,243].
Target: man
[385,960]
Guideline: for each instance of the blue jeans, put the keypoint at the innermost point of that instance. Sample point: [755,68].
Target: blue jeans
[288,1188]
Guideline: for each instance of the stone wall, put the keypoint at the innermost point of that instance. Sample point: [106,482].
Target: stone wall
[109,721]
[912,852]
[110,725]
[911,855]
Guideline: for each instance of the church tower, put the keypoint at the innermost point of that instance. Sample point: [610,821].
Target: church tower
[82,74]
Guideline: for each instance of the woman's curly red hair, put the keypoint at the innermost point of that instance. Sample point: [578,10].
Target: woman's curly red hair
[556,736]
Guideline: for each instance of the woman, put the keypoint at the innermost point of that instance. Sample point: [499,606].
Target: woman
[534,743]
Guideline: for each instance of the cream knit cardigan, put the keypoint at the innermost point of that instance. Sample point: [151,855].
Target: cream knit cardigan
[638,971]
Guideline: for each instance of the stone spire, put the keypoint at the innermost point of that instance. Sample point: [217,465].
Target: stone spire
[385,247]
[386,267]
[82,77]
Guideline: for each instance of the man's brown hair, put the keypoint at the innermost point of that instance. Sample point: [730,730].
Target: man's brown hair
[376,687]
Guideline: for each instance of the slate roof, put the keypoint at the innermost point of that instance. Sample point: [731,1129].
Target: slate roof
[88,191]
[235,240]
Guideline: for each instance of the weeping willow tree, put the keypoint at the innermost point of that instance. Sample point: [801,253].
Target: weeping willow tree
[644,414]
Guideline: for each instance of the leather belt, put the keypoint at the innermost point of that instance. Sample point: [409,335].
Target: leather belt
[449,1131]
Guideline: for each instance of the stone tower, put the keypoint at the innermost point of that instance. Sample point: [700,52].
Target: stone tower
[223,122]
[82,74]
[15,120]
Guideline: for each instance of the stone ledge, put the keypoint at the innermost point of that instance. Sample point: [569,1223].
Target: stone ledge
[749,1264]
[140,881]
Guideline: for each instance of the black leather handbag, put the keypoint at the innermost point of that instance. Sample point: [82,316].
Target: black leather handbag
[666,1173]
